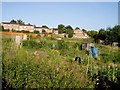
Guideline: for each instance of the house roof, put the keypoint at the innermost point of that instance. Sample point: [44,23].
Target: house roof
[5,22]
[25,25]
[42,27]
[77,29]
[37,27]
[56,29]
[16,23]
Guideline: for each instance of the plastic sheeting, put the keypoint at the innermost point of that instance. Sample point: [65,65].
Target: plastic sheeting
[94,52]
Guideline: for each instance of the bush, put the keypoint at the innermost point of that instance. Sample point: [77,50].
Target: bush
[19,31]
[31,44]
[62,45]
[23,31]
[70,35]
[77,45]
[13,30]
[1,28]
[36,32]
[7,30]
[52,38]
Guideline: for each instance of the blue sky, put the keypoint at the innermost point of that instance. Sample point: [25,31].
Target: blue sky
[87,15]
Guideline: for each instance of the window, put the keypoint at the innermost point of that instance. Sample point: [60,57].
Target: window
[20,26]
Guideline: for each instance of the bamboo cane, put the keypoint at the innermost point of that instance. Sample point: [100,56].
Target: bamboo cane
[87,66]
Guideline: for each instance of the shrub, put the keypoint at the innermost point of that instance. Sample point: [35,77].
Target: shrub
[62,45]
[43,43]
[1,28]
[70,35]
[7,30]
[23,31]
[13,30]
[31,44]
[77,45]
[36,32]
[52,38]
[19,31]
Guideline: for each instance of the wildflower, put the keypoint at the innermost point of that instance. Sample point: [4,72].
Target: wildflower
[57,69]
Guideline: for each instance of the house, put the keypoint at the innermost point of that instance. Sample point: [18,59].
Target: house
[17,27]
[43,30]
[8,25]
[79,34]
[29,28]
[40,29]
[55,31]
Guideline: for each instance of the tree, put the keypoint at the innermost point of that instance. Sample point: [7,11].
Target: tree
[44,26]
[69,31]
[77,28]
[13,30]
[92,33]
[13,21]
[20,21]
[102,34]
[61,28]
[116,33]
[43,31]
[109,35]
[84,30]
[70,35]
[29,24]
[1,28]
[34,25]
[36,32]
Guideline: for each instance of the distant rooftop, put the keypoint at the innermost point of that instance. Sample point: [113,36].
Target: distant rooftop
[16,23]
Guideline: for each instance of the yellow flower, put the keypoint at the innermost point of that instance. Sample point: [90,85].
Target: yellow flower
[55,51]
[98,58]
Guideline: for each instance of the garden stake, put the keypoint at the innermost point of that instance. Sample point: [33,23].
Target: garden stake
[91,60]
[87,67]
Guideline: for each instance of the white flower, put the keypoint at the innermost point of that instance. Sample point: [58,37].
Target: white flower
[97,83]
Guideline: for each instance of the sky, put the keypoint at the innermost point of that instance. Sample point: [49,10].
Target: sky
[60,0]
[85,15]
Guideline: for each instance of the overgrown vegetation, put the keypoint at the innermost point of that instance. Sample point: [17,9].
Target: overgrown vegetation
[109,35]
[55,67]
[37,64]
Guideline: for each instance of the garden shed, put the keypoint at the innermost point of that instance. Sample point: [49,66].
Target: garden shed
[115,44]
[86,46]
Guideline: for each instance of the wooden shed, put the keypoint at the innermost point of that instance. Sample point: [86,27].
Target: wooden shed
[86,46]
